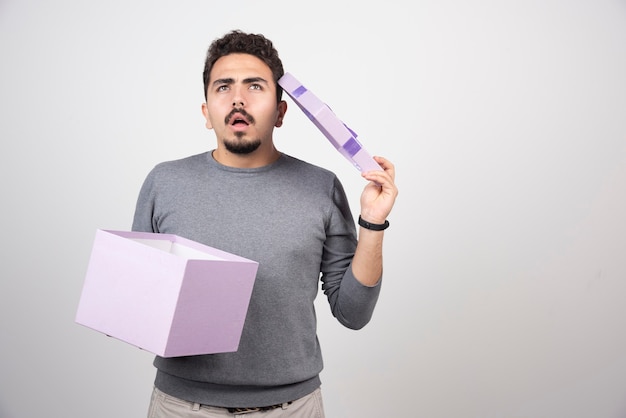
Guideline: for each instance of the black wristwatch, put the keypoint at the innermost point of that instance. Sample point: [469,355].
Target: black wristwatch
[373,227]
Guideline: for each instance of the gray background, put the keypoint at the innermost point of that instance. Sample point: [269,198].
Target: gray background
[505,289]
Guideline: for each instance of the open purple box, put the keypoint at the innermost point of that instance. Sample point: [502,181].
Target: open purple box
[342,137]
[166,294]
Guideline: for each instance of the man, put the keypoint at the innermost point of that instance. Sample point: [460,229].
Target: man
[247,198]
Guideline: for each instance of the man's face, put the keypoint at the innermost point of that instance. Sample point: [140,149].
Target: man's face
[241,103]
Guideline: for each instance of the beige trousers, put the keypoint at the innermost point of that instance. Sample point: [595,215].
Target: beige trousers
[166,406]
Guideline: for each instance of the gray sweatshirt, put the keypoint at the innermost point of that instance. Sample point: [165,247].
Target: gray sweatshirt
[292,218]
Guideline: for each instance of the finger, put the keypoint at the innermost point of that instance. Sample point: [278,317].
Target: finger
[382,179]
[386,165]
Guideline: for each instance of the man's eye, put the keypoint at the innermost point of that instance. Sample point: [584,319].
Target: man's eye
[222,88]
[255,87]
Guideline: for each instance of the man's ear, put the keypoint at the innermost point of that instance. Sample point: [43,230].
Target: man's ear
[282,109]
[205,112]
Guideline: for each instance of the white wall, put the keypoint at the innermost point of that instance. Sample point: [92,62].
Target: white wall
[505,288]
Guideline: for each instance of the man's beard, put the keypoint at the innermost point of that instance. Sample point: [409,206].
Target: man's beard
[240,146]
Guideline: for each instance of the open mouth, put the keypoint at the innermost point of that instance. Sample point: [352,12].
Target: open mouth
[239,118]
[239,121]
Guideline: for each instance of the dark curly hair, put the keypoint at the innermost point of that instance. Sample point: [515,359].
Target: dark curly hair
[237,41]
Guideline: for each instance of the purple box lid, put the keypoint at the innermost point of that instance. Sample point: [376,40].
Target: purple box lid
[339,135]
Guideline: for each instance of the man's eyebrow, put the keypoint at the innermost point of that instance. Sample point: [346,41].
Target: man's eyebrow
[249,80]
[221,81]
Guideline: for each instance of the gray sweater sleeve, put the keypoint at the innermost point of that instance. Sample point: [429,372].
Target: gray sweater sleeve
[351,302]
[143,220]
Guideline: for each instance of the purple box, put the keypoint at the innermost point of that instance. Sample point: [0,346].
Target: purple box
[166,294]
[342,137]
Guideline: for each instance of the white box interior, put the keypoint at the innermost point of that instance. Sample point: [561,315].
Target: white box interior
[177,249]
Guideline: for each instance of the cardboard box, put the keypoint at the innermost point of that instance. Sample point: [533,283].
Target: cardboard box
[166,294]
[342,137]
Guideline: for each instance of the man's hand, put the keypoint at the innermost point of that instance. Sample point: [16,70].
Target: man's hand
[380,194]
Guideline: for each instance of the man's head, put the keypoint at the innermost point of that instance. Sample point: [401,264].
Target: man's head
[243,99]
[237,41]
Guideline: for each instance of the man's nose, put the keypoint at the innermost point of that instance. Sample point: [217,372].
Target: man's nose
[238,100]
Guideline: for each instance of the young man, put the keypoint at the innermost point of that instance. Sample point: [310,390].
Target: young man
[247,198]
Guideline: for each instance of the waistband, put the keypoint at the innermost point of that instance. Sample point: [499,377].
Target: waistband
[233,396]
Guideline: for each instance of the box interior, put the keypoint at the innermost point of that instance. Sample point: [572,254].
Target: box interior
[177,249]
